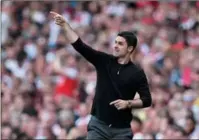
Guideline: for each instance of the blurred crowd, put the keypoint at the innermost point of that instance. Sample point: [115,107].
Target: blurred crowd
[47,87]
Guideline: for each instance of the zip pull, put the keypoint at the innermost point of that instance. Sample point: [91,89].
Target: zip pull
[118,72]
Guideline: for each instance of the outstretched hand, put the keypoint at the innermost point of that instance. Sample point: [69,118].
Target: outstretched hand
[120,104]
[70,35]
[59,19]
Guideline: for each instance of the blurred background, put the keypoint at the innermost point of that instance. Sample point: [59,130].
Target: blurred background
[47,88]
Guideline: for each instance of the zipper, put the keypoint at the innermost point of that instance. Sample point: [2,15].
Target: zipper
[118,72]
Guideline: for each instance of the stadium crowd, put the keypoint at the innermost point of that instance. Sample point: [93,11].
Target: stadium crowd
[47,87]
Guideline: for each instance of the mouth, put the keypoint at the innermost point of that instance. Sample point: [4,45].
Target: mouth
[117,50]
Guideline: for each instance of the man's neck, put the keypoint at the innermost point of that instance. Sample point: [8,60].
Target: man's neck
[124,60]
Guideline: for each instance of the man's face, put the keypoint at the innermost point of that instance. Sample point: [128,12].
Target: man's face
[120,47]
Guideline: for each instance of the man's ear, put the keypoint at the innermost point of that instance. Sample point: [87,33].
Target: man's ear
[130,49]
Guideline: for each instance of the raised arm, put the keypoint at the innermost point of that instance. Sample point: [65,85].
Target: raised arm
[93,56]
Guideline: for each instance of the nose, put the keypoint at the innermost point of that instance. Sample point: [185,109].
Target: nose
[115,47]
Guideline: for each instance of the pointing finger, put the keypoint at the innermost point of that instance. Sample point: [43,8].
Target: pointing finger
[54,13]
[114,102]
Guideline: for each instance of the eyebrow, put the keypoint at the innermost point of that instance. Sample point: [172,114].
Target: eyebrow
[119,42]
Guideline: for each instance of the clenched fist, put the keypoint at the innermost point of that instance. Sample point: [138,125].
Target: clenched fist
[59,19]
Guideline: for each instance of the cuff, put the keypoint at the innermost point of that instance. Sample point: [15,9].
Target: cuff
[77,42]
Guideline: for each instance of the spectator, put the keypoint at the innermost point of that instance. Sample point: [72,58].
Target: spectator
[136,126]
[47,88]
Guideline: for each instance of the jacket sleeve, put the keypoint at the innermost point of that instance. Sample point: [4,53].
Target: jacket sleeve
[93,56]
[143,90]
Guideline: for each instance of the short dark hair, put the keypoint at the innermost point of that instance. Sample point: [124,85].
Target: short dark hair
[130,37]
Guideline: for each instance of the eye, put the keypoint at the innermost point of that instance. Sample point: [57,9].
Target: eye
[120,43]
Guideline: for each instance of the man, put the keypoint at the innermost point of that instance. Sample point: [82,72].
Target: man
[118,80]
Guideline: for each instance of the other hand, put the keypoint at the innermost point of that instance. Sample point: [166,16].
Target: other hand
[120,104]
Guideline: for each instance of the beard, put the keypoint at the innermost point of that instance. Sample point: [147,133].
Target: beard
[118,54]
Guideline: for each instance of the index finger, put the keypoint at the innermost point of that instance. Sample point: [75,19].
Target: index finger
[114,102]
[54,13]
